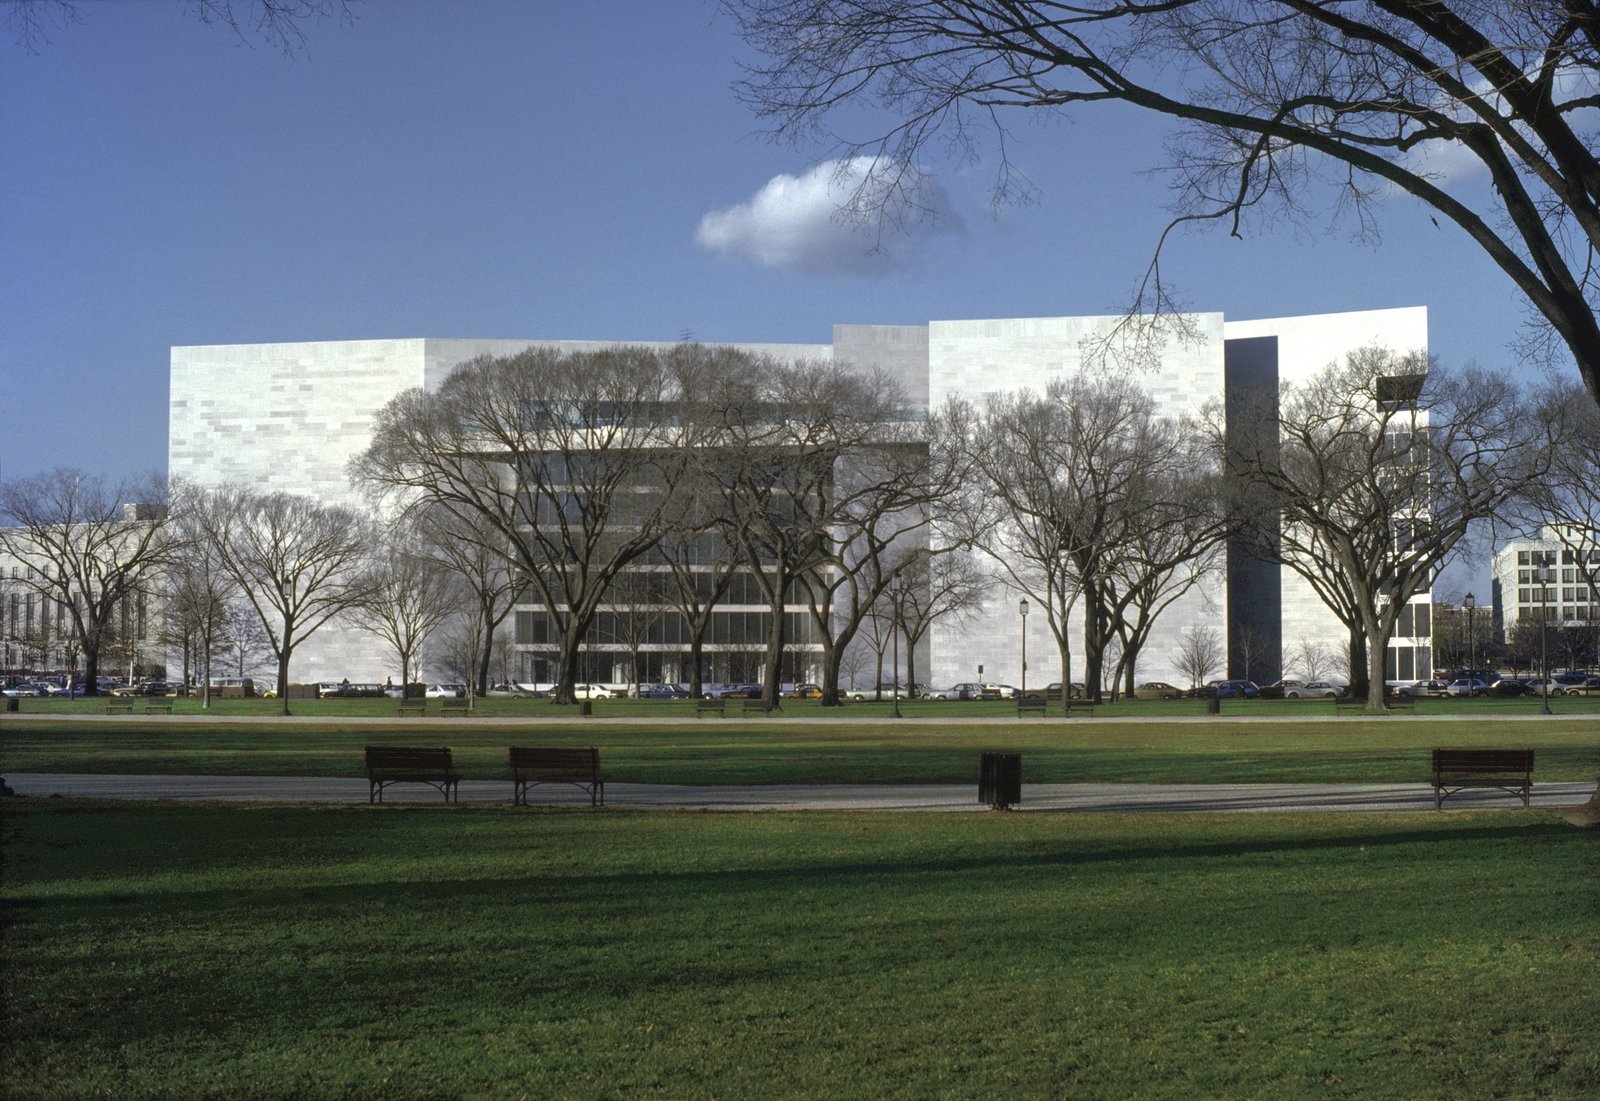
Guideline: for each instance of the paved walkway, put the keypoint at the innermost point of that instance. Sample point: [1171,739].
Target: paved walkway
[849,797]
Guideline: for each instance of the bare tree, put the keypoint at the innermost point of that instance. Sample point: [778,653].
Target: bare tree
[297,563]
[1064,487]
[279,23]
[1310,658]
[569,459]
[701,561]
[780,456]
[1273,98]
[887,488]
[1198,654]
[199,589]
[248,644]
[633,612]
[1247,646]
[466,545]
[1378,467]
[92,547]
[936,586]
[409,594]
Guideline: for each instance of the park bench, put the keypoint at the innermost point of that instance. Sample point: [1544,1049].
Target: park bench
[1402,703]
[1509,770]
[407,765]
[1031,705]
[119,709]
[533,765]
[413,707]
[1349,705]
[718,706]
[455,705]
[1084,706]
[751,707]
[160,708]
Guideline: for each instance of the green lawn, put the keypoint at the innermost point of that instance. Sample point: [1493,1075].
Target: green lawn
[193,950]
[760,751]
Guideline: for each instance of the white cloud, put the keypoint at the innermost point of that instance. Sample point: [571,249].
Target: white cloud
[856,216]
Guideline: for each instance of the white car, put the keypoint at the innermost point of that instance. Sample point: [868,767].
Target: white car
[590,692]
[1317,689]
[446,691]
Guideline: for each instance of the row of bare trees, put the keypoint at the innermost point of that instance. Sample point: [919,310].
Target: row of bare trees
[681,470]
[568,481]
[238,572]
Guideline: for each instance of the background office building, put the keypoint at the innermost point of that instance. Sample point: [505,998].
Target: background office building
[290,416]
[1548,578]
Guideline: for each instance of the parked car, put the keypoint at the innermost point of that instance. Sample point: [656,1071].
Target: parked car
[1589,687]
[65,691]
[662,692]
[445,691]
[1156,690]
[591,692]
[1237,690]
[804,692]
[1316,690]
[1468,687]
[998,692]
[1424,689]
[143,688]
[1278,689]
[509,692]
[1510,686]
[22,691]
[966,690]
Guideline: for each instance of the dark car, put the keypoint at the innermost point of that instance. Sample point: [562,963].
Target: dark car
[1510,686]
[663,692]
[1237,690]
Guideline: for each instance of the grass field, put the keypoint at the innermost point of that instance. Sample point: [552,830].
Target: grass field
[166,950]
[760,751]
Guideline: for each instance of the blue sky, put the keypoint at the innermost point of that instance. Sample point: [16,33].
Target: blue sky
[535,168]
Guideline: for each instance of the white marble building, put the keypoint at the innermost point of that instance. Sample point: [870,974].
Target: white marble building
[290,416]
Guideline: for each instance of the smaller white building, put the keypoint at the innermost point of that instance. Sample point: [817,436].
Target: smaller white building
[1556,572]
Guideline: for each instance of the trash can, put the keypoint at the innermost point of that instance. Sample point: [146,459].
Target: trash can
[1213,706]
[585,708]
[1000,779]
[12,704]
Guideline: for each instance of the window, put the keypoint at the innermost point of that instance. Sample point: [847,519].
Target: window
[1399,391]
[1522,558]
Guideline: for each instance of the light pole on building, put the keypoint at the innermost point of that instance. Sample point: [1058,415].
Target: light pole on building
[1545,575]
[1023,608]
[894,635]
[1469,603]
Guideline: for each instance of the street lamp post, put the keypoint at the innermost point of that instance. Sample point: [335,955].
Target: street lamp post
[1545,575]
[1023,608]
[894,666]
[1470,603]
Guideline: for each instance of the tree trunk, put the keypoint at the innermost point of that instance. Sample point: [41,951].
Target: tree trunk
[284,654]
[697,646]
[774,659]
[1359,679]
[832,658]
[1377,654]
